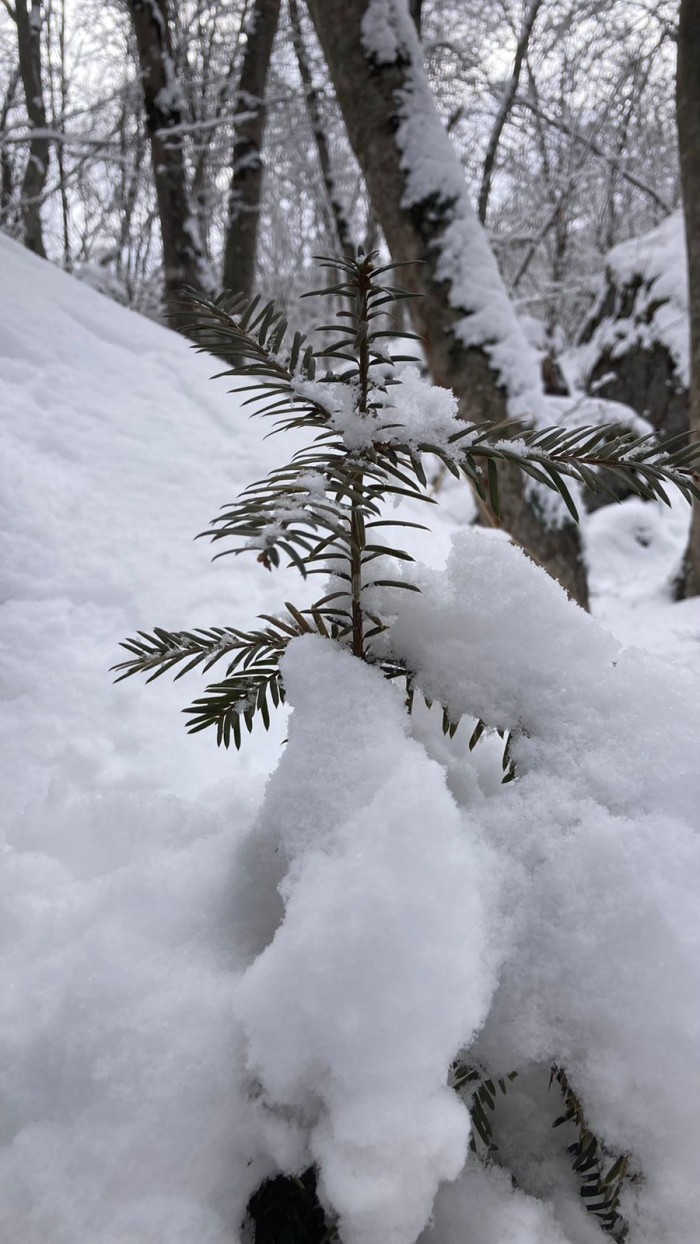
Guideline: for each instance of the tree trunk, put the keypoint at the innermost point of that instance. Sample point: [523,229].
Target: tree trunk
[688,115]
[474,344]
[6,161]
[37,170]
[341,224]
[247,169]
[182,255]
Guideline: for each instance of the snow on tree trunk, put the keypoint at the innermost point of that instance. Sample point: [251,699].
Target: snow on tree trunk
[635,340]
[183,260]
[474,343]
[636,337]
[688,114]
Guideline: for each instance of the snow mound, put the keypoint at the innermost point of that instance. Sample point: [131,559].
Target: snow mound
[197,992]
[650,275]
[600,835]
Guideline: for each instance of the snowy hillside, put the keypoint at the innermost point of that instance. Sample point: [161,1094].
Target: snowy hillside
[125,1118]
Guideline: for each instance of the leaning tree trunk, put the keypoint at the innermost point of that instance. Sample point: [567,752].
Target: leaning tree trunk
[37,170]
[688,115]
[240,252]
[474,344]
[183,263]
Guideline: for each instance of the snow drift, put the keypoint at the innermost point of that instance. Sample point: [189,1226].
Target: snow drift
[198,990]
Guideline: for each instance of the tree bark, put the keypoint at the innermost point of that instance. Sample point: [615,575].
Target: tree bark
[6,161]
[341,225]
[241,245]
[37,170]
[416,187]
[182,255]
[688,117]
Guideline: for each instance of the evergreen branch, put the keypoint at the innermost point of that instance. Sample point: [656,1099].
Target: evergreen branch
[324,509]
[602,1180]
[554,453]
[239,698]
[480,1093]
[161,650]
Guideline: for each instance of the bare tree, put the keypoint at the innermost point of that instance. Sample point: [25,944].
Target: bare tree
[29,24]
[506,104]
[341,224]
[416,187]
[182,252]
[7,172]
[247,168]
[688,114]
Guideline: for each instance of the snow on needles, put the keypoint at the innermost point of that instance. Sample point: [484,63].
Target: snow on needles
[466,262]
[409,411]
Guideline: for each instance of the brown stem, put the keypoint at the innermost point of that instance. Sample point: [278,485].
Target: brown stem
[357,526]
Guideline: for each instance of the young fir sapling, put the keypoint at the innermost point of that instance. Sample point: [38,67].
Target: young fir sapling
[371,421]
[372,425]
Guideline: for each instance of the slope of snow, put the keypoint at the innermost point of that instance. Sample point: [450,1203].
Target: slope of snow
[117,451]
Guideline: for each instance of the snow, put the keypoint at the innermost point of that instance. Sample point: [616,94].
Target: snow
[380,969]
[600,851]
[503,1214]
[201,986]
[117,450]
[407,409]
[658,260]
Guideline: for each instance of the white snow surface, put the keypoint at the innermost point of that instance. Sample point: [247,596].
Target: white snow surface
[600,849]
[198,989]
[382,967]
[658,260]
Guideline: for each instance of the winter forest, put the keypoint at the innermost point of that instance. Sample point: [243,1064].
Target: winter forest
[376,919]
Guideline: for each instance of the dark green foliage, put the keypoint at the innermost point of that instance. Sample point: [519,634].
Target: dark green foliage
[323,512]
[286,1210]
[480,1091]
[602,1177]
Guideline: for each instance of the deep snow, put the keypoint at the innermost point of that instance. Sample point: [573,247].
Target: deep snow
[128,1114]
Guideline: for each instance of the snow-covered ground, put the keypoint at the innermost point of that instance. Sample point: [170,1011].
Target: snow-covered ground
[122,1120]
